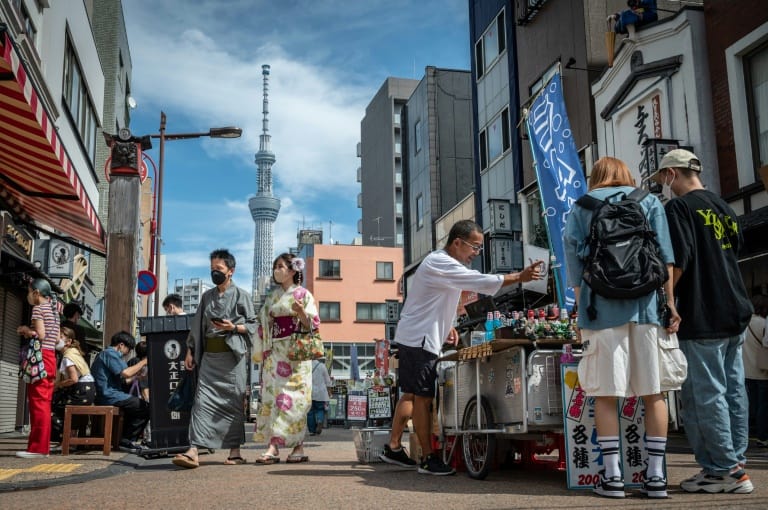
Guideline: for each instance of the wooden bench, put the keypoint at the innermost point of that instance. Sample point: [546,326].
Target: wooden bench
[112,421]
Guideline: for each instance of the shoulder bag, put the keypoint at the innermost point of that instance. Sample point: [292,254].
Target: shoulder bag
[32,368]
[305,346]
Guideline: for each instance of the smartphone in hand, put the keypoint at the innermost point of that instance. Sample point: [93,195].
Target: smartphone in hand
[218,320]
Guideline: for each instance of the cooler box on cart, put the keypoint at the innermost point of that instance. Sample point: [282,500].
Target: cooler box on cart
[166,349]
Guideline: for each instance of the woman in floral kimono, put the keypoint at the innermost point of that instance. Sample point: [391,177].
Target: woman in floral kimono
[286,393]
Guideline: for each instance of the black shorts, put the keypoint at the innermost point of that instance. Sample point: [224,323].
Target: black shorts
[418,371]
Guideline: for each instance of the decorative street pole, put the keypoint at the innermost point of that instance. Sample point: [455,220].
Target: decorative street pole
[222,132]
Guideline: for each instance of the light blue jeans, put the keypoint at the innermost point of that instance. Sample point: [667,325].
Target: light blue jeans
[715,406]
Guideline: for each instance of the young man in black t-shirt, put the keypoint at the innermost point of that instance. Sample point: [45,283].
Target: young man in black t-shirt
[715,311]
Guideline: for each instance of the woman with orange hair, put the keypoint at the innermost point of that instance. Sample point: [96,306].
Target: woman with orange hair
[622,341]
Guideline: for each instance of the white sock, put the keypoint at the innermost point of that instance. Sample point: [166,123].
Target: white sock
[609,447]
[655,447]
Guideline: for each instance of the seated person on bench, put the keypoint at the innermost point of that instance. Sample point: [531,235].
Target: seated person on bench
[109,369]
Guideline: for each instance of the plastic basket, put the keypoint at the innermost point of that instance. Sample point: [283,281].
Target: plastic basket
[369,444]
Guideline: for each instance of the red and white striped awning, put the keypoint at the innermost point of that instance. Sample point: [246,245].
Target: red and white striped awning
[37,179]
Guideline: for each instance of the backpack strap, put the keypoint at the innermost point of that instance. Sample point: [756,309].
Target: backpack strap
[638,194]
[589,202]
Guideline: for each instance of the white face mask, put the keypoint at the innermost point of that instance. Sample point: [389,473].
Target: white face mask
[666,189]
[60,345]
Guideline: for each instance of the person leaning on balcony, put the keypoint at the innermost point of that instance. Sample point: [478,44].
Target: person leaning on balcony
[426,323]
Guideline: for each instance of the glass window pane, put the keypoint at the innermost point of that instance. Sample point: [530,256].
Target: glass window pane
[483,149]
[417,135]
[379,311]
[490,45]
[494,139]
[479,61]
[384,270]
[501,30]
[758,70]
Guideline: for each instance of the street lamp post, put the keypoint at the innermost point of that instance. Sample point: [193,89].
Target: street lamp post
[222,132]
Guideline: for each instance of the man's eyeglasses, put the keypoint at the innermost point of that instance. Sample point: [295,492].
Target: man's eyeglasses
[475,248]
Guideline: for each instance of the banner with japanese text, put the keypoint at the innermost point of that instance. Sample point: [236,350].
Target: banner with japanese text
[559,173]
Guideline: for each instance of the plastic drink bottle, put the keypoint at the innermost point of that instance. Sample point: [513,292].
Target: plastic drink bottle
[489,327]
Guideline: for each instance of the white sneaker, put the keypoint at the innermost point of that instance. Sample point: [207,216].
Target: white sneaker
[736,483]
[30,455]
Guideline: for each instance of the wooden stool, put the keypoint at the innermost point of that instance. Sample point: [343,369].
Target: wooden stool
[113,427]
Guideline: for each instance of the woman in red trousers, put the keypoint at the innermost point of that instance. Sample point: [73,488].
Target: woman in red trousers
[44,326]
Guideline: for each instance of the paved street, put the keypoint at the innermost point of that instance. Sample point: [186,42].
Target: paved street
[332,479]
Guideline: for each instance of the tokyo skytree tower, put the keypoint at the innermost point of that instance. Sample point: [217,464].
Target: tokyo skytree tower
[264,207]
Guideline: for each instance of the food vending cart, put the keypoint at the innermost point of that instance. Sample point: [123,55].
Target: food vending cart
[502,397]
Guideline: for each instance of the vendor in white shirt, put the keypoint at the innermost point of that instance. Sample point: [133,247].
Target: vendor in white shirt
[426,322]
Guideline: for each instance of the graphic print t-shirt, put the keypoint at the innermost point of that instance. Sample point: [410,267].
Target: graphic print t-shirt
[711,297]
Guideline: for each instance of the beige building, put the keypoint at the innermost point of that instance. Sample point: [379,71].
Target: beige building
[352,285]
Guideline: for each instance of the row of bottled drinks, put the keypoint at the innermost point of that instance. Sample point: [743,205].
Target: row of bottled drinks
[533,324]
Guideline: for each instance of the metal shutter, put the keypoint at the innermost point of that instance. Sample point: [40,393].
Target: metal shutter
[11,309]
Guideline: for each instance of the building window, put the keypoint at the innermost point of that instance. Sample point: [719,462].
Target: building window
[417,135]
[419,212]
[536,86]
[78,102]
[366,359]
[491,45]
[330,268]
[495,139]
[756,78]
[384,271]
[537,230]
[28,27]
[371,312]
[330,311]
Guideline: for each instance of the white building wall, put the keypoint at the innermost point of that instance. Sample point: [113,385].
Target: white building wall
[684,98]
[60,19]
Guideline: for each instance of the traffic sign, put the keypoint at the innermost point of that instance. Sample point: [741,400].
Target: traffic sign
[147,282]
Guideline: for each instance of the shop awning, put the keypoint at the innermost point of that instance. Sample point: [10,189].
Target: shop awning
[37,179]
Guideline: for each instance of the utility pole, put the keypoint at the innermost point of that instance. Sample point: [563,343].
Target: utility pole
[122,232]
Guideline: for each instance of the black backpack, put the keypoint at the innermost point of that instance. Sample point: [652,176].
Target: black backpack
[624,260]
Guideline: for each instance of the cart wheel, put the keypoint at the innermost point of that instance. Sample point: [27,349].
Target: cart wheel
[479,449]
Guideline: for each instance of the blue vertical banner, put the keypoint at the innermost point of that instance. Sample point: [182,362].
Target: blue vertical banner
[354,367]
[558,170]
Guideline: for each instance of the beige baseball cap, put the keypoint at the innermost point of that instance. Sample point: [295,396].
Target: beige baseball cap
[677,158]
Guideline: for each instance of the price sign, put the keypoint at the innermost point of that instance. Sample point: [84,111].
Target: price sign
[357,407]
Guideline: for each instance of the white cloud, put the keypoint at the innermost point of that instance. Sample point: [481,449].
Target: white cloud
[201,60]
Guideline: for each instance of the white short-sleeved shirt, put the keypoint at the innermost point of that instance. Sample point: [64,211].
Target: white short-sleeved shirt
[433,297]
[66,362]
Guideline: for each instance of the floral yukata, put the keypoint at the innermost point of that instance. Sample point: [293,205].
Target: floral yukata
[286,386]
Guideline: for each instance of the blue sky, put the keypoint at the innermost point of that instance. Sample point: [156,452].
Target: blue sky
[200,62]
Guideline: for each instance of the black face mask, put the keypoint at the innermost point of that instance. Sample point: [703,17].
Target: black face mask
[218,277]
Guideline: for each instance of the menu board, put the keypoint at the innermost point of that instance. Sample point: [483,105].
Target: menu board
[379,403]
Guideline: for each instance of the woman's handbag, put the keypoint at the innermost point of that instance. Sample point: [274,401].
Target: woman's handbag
[32,368]
[762,352]
[305,346]
[183,397]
